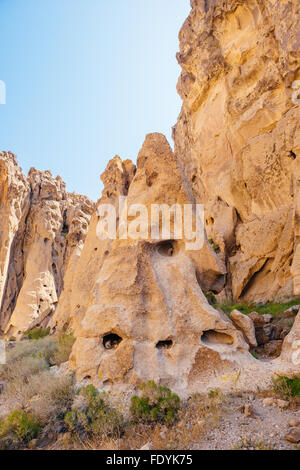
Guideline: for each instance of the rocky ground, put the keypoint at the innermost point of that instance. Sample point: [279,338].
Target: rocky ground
[236,421]
[265,428]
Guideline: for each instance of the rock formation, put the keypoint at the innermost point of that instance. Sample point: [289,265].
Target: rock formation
[81,277]
[137,306]
[237,139]
[41,228]
[148,316]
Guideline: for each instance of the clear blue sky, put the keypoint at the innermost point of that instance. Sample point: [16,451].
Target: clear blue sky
[86,80]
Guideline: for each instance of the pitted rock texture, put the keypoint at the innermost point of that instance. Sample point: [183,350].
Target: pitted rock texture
[88,258]
[148,316]
[41,226]
[237,139]
[14,208]
[237,151]
[138,307]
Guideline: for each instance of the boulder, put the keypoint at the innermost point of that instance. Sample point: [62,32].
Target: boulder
[246,325]
[293,435]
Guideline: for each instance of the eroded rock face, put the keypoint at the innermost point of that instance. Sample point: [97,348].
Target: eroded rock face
[236,151]
[14,208]
[43,225]
[148,316]
[137,306]
[82,274]
[238,136]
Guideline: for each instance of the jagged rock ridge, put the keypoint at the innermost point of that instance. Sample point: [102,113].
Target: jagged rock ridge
[41,225]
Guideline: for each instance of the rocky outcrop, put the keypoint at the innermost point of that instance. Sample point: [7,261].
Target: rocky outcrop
[236,152]
[148,316]
[41,227]
[14,208]
[237,139]
[245,324]
[135,302]
[83,272]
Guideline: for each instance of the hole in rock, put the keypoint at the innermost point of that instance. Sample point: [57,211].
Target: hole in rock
[107,382]
[166,248]
[111,341]
[293,155]
[212,337]
[65,229]
[211,281]
[87,377]
[167,344]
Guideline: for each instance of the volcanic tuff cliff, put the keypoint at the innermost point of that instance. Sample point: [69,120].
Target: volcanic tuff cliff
[42,229]
[237,139]
[137,308]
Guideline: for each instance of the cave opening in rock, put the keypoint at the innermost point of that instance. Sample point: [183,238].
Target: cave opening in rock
[166,344]
[211,281]
[166,248]
[214,338]
[111,341]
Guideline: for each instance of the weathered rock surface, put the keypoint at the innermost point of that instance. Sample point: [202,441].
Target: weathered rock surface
[41,227]
[246,325]
[293,435]
[137,306]
[148,316]
[88,258]
[14,208]
[237,139]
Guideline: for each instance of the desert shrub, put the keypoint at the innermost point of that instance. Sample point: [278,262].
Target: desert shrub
[32,385]
[155,404]
[20,427]
[211,298]
[23,368]
[96,417]
[41,348]
[37,333]
[253,444]
[18,378]
[24,361]
[214,245]
[270,308]
[215,394]
[255,355]
[52,397]
[287,387]
[27,358]
[64,344]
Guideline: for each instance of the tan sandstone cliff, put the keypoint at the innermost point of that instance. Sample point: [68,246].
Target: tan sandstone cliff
[137,307]
[237,138]
[41,228]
